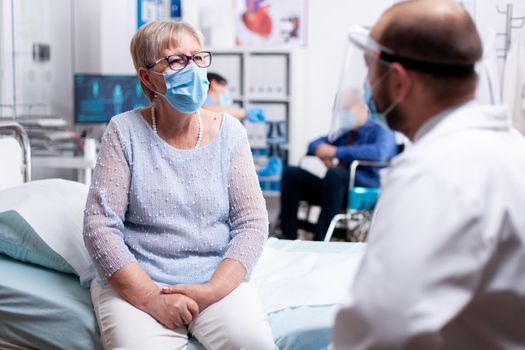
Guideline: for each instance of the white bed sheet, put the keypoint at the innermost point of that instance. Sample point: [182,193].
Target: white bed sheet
[45,309]
[297,273]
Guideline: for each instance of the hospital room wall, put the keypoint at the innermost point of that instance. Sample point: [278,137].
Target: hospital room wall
[103,29]
[6,57]
[84,36]
[317,66]
[42,83]
[328,26]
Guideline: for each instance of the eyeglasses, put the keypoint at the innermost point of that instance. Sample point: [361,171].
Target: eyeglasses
[179,61]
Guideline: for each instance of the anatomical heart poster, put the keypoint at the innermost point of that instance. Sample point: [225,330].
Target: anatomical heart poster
[271,22]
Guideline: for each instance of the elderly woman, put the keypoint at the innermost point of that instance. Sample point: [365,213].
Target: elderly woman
[175,219]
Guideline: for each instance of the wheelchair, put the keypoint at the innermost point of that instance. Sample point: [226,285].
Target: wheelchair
[361,201]
[357,211]
[360,207]
[357,215]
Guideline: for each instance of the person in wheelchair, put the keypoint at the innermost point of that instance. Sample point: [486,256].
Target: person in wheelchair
[354,136]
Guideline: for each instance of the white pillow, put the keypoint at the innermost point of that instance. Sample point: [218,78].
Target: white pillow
[42,222]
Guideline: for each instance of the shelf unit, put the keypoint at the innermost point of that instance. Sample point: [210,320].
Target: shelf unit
[260,78]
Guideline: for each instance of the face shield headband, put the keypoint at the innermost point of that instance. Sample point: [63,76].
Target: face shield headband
[354,101]
[387,56]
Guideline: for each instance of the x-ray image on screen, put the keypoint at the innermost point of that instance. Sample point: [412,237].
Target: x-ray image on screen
[100,97]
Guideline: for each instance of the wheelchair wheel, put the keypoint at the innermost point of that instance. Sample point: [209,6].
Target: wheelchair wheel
[358,226]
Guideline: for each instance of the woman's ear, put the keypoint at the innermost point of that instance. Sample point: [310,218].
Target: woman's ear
[146,79]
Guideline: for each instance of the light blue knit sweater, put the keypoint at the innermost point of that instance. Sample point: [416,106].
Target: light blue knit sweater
[179,213]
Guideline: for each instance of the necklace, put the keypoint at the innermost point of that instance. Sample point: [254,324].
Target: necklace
[199,119]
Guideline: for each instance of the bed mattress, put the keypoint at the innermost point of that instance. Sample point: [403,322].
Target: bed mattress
[45,309]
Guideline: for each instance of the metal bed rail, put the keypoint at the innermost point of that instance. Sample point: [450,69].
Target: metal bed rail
[23,140]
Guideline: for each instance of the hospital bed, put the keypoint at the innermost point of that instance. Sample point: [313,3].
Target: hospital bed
[301,284]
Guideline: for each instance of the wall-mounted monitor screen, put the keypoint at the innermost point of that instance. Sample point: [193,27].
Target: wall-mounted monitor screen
[100,97]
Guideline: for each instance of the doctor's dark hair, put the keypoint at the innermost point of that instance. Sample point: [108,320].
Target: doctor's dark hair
[419,33]
[217,77]
[149,42]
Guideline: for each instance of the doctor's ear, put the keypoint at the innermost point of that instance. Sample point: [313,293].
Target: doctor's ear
[400,81]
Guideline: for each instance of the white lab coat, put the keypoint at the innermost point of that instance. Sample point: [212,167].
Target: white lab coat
[445,263]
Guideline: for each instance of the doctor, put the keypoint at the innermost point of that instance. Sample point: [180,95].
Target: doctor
[445,264]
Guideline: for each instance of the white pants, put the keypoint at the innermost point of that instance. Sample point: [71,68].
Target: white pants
[238,321]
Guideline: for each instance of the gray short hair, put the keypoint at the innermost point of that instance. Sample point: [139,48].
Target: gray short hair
[153,38]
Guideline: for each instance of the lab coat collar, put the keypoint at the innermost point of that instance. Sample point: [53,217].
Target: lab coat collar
[469,115]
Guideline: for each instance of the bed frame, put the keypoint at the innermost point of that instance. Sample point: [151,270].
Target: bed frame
[13,129]
[10,128]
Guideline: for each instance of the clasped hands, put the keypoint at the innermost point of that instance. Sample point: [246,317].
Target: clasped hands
[326,153]
[178,305]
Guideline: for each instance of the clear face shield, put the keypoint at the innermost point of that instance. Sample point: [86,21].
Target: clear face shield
[353,102]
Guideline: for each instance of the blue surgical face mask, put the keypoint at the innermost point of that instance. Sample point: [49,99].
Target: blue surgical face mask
[226,100]
[373,113]
[186,89]
[347,119]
